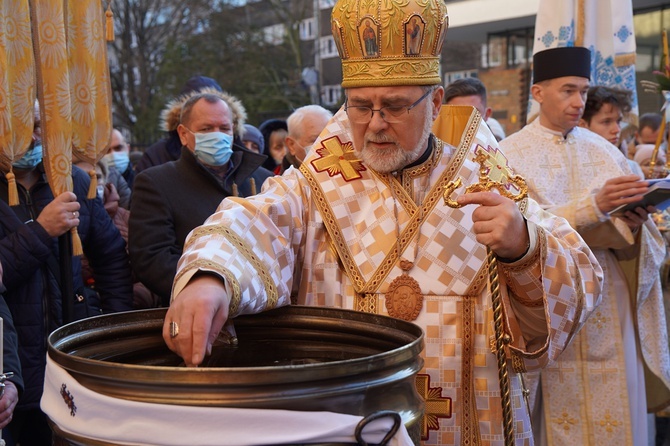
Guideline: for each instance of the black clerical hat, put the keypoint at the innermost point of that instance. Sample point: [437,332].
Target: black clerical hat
[560,62]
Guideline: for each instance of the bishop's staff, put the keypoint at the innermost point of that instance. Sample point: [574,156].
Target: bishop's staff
[486,185]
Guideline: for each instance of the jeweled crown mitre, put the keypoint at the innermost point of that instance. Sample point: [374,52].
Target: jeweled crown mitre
[389,42]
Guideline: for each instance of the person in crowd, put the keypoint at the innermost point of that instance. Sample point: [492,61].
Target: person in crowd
[649,126]
[274,133]
[648,130]
[496,128]
[106,191]
[472,91]
[11,387]
[171,199]
[122,189]
[31,271]
[603,114]
[304,126]
[253,139]
[363,225]
[579,176]
[118,157]
[169,148]
[135,156]
[642,158]
[604,111]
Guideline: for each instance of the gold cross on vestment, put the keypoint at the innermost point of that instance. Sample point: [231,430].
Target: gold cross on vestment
[561,369]
[550,168]
[603,370]
[594,164]
[437,406]
[338,158]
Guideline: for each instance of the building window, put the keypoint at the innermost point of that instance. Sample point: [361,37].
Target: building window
[455,75]
[308,29]
[274,35]
[327,47]
[508,49]
[331,94]
[492,53]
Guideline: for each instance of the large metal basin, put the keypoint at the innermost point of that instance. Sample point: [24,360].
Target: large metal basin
[296,358]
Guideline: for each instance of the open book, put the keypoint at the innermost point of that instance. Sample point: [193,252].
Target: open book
[658,195]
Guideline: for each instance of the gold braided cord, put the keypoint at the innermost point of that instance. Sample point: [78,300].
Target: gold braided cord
[501,339]
[486,184]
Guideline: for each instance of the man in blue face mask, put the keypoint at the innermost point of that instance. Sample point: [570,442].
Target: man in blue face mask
[171,199]
[121,173]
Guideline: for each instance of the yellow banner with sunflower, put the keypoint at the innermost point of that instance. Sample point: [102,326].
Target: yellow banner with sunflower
[17,83]
[90,91]
[73,87]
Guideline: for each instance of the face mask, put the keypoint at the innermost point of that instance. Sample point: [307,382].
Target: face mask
[100,190]
[31,158]
[119,160]
[214,148]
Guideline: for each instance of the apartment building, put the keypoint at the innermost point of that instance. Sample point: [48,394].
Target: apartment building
[490,39]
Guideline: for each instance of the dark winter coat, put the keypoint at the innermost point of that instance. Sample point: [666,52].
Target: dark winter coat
[172,199]
[10,346]
[161,152]
[33,291]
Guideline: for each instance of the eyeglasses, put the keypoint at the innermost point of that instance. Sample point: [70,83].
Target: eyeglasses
[392,114]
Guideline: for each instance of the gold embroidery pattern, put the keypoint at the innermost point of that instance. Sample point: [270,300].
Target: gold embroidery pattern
[338,159]
[366,303]
[581,295]
[437,406]
[408,204]
[350,267]
[468,403]
[523,206]
[609,424]
[246,251]
[599,320]
[565,421]
[527,264]
[424,168]
[517,363]
[208,265]
[478,284]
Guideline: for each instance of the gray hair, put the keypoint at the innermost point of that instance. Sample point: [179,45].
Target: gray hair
[188,105]
[294,121]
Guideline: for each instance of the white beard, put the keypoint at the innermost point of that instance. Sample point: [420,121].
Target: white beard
[391,159]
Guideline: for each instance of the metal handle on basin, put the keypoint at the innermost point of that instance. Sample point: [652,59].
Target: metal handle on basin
[397,420]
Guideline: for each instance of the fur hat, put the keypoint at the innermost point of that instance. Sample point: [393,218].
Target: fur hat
[172,111]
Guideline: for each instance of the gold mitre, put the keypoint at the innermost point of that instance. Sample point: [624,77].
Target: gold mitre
[389,42]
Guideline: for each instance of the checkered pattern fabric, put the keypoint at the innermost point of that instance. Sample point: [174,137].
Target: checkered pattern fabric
[324,235]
